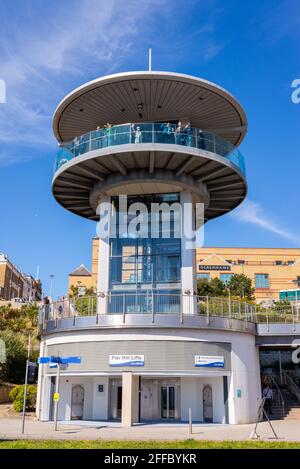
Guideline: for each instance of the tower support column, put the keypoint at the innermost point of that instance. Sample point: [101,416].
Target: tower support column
[188,254]
[104,212]
[130,398]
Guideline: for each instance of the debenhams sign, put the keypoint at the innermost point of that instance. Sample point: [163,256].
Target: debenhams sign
[214,267]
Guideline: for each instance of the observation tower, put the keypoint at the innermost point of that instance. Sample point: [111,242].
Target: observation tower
[149,347]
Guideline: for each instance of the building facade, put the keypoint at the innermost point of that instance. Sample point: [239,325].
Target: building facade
[274,272]
[146,351]
[15,284]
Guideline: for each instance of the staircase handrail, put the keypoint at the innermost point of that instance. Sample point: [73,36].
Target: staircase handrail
[292,386]
[271,376]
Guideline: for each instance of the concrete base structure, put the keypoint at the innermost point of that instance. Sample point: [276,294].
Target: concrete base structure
[164,388]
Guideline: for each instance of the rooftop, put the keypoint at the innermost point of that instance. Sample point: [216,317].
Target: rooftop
[81,271]
[149,96]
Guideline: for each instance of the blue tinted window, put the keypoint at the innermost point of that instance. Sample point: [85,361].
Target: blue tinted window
[205,276]
[225,277]
[261,281]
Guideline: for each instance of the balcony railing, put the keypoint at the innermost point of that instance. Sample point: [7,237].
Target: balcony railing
[153,303]
[140,133]
[150,303]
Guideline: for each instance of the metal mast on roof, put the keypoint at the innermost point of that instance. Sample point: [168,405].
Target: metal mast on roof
[150,59]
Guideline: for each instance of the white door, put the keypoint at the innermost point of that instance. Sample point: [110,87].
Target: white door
[77,402]
[149,400]
[207,404]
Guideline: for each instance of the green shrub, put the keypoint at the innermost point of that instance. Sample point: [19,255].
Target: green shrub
[17,396]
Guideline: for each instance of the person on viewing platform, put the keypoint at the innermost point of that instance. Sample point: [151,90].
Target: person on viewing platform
[268,395]
[201,139]
[47,307]
[131,133]
[138,135]
[188,134]
[178,133]
[108,133]
[98,136]
[166,130]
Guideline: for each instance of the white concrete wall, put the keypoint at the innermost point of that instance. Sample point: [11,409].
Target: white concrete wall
[246,378]
[245,373]
[188,254]
[95,403]
[100,399]
[65,395]
[192,396]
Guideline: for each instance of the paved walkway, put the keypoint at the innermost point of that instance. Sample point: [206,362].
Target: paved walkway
[10,428]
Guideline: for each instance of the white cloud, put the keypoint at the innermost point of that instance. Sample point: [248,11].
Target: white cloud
[252,212]
[47,51]
[49,48]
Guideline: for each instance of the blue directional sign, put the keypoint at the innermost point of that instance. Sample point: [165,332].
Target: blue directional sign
[54,360]
[43,360]
[75,360]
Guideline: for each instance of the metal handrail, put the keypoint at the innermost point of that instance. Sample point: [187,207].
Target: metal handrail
[291,385]
[151,302]
[281,400]
[149,133]
[155,302]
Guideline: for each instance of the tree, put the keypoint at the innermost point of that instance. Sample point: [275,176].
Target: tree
[13,370]
[241,285]
[217,287]
[203,287]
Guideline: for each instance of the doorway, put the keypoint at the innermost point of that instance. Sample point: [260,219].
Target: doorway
[77,402]
[116,399]
[168,402]
[52,391]
[207,404]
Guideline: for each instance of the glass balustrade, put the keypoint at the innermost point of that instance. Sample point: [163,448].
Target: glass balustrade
[138,134]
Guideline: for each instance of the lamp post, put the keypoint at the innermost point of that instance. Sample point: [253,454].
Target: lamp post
[295,282]
[229,300]
[51,285]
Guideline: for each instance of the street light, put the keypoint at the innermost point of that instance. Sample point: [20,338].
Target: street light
[51,284]
[295,281]
[229,300]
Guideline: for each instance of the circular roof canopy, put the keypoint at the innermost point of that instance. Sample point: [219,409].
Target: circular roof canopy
[149,97]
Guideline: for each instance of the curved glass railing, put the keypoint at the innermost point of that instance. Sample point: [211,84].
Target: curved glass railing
[140,133]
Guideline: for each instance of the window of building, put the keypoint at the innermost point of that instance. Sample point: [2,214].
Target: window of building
[140,260]
[290,262]
[289,295]
[225,277]
[278,262]
[241,261]
[298,281]
[261,281]
[203,276]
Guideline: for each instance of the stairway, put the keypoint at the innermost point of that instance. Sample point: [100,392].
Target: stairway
[291,406]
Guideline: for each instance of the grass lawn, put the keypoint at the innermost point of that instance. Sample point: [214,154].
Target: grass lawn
[152,444]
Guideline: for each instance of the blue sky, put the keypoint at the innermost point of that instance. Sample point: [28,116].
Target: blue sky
[250,48]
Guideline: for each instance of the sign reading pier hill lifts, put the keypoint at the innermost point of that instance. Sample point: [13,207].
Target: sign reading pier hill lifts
[126,360]
[209,361]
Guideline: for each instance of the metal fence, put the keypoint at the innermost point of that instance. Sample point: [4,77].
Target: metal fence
[157,303]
